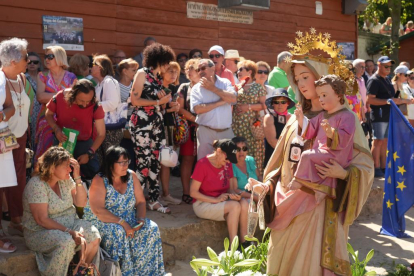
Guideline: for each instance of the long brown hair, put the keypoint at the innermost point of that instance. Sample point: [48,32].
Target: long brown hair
[306,104]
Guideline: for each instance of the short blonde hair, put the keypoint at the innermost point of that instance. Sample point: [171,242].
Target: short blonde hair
[176,67]
[191,64]
[250,65]
[78,64]
[126,64]
[60,56]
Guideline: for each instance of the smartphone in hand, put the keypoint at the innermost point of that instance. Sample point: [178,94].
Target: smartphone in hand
[138,225]
[167,90]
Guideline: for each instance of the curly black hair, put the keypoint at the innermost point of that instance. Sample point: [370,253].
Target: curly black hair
[158,55]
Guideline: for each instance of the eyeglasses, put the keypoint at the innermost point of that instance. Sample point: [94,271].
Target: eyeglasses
[182,60]
[241,69]
[387,66]
[242,149]
[263,72]
[198,70]
[215,56]
[197,56]
[279,102]
[50,56]
[124,163]
[26,58]
[36,62]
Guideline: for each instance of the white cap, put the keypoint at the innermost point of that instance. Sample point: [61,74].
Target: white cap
[232,54]
[216,48]
[401,69]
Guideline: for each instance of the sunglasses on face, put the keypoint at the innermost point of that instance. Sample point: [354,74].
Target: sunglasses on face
[279,102]
[263,72]
[124,163]
[202,68]
[50,56]
[36,62]
[215,56]
[196,56]
[242,149]
[241,69]
[387,66]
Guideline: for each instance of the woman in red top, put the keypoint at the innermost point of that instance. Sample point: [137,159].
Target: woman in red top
[211,184]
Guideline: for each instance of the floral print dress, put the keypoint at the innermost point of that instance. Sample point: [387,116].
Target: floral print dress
[44,133]
[250,94]
[147,133]
[54,249]
[141,255]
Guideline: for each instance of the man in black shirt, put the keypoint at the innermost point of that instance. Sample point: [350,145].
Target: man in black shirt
[379,90]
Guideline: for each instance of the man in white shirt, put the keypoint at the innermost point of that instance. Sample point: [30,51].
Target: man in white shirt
[211,100]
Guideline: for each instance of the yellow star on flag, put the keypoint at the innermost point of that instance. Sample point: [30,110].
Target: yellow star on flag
[389,180]
[387,153]
[389,165]
[383,195]
[401,186]
[401,170]
[395,156]
[396,198]
[389,204]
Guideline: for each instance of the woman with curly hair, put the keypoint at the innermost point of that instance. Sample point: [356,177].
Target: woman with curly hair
[77,109]
[146,123]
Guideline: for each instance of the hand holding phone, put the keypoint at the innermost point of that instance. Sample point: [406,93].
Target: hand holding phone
[138,226]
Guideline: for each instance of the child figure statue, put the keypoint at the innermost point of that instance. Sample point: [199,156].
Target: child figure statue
[333,131]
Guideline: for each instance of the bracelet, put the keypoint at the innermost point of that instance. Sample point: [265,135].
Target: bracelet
[77,178]
[158,102]
[67,230]
[79,184]
[91,149]
[121,221]
[143,219]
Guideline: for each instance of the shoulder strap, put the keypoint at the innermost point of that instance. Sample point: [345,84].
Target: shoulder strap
[23,77]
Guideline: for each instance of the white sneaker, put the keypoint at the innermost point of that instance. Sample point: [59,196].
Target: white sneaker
[171,200]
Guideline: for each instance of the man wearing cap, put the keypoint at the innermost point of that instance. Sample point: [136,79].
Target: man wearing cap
[211,100]
[182,59]
[147,42]
[216,54]
[278,76]
[380,89]
[231,58]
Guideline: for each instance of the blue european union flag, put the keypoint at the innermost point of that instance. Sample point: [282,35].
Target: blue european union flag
[399,174]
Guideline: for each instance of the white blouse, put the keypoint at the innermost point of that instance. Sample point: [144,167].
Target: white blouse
[111,96]
[19,122]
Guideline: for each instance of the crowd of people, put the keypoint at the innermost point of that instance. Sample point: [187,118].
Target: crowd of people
[239,122]
[385,28]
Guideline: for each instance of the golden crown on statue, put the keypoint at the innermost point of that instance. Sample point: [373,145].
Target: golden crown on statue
[305,43]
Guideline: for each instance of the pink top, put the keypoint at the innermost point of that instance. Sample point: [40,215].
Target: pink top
[363,92]
[214,181]
[227,74]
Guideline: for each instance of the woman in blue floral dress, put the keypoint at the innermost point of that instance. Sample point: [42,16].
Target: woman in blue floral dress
[117,208]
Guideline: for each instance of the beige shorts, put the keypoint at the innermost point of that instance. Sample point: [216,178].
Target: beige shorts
[212,211]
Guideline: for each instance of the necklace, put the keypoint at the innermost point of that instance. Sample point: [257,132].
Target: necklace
[19,98]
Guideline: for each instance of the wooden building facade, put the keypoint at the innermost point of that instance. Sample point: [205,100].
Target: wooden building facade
[124,24]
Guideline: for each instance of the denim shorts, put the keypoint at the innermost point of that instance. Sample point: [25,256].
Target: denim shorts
[379,130]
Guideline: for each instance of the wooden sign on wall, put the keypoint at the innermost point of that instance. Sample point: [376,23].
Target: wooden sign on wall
[198,10]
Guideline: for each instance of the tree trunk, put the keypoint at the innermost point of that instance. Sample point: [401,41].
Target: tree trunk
[395,10]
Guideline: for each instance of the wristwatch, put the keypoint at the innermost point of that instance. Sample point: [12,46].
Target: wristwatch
[90,153]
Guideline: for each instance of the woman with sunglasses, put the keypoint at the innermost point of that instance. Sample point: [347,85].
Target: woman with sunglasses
[250,101]
[48,84]
[275,121]
[245,167]
[33,68]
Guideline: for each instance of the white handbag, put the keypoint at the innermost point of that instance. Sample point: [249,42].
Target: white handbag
[168,157]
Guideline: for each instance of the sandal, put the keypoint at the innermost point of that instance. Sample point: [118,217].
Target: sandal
[13,229]
[187,199]
[3,235]
[161,209]
[7,247]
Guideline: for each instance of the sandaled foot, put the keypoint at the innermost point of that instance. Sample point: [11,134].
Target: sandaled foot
[171,200]
[7,247]
[156,206]
[187,199]
[15,229]
[3,236]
